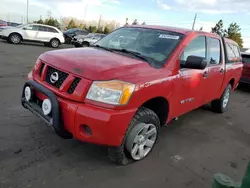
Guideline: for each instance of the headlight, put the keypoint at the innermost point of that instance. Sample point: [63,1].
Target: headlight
[80,40]
[111,92]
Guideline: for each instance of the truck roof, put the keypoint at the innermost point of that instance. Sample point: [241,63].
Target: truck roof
[174,29]
[227,40]
[167,28]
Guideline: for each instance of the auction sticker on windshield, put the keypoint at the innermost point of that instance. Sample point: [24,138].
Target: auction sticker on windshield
[165,36]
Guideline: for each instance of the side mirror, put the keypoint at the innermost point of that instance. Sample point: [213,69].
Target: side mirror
[195,62]
[24,28]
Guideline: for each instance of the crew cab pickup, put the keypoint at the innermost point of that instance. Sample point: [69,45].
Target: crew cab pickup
[121,90]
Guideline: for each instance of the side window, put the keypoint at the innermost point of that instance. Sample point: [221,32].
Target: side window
[246,59]
[32,27]
[52,30]
[196,47]
[42,28]
[214,51]
[233,53]
[82,32]
[35,27]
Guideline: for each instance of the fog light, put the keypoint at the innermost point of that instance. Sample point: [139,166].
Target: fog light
[27,93]
[85,129]
[46,107]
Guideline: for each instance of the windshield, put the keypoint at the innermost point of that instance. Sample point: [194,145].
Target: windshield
[151,43]
[246,59]
[90,35]
[21,26]
[71,30]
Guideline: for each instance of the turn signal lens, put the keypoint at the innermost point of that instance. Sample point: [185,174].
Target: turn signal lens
[111,92]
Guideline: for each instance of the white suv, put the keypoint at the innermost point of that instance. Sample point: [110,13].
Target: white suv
[50,36]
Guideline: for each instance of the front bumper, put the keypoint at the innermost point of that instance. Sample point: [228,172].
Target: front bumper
[54,120]
[245,80]
[69,118]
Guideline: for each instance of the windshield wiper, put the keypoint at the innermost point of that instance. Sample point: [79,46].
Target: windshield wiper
[102,47]
[136,54]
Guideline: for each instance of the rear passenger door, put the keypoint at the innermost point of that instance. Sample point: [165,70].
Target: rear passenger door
[216,69]
[44,34]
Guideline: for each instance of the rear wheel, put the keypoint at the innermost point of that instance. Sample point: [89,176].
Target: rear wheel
[54,43]
[15,38]
[85,44]
[139,139]
[220,105]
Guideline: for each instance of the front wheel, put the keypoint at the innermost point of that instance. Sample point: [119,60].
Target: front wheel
[54,43]
[220,105]
[139,139]
[15,38]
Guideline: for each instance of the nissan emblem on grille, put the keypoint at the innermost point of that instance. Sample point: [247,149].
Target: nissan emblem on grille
[54,77]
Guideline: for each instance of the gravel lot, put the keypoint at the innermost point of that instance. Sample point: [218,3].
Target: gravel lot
[190,150]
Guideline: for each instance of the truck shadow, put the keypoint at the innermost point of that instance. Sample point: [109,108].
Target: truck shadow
[244,88]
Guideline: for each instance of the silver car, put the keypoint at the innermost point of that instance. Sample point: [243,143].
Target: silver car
[88,40]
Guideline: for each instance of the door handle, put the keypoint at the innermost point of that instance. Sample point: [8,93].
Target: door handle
[205,74]
[221,70]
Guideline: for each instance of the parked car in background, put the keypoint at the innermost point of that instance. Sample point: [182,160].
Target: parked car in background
[13,24]
[50,36]
[70,33]
[245,78]
[3,23]
[121,96]
[87,40]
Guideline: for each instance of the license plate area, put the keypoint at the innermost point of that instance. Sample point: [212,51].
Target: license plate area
[39,98]
[34,101]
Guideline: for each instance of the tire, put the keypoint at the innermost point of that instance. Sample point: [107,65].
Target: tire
[220,105]
[54,43]
[85,44]
[15,38]
[122,155]
[77,45]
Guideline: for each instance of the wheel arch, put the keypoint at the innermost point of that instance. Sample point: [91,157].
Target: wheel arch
[56,39]
[232,82]
[16,33]
[85,42]
[160,106]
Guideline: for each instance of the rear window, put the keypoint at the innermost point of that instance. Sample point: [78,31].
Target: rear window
[233,53]
[246,59]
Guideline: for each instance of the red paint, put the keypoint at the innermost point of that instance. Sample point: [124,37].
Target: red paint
[108,122]
[246,69]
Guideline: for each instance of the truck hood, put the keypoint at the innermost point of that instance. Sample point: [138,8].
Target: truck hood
[94,64]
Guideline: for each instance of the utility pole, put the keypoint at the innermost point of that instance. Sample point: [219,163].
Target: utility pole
[27,11]
[85,12]
[99,22]
[194,21]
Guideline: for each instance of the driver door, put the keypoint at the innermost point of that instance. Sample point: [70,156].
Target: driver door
[31,32]
[189,85]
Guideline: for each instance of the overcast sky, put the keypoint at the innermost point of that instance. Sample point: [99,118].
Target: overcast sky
[166,12]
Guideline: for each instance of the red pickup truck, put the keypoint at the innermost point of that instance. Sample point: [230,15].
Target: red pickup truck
[121,90]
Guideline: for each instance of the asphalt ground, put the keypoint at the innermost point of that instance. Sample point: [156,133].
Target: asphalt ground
[192,149]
